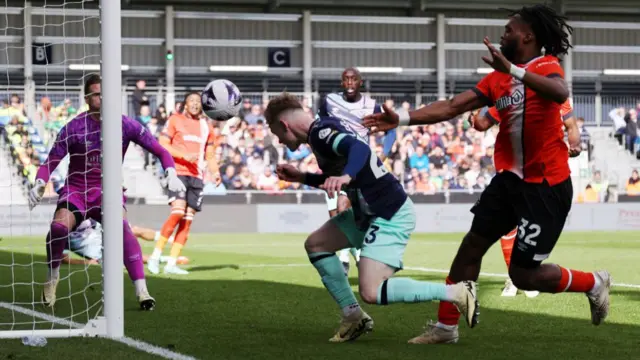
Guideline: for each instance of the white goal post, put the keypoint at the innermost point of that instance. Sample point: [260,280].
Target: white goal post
[22,269]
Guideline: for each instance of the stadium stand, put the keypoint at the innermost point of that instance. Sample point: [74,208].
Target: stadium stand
[450,156]
[447,157]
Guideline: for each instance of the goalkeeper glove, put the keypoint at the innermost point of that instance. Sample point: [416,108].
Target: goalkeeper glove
[174,183]
[36,193]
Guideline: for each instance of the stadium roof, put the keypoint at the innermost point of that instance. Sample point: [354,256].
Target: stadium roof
[411,6]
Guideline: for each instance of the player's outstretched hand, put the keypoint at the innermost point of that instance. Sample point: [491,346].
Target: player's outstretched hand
[332,185]
[174,183]
[289,173]
[496,60]
[36,193]
[383,121]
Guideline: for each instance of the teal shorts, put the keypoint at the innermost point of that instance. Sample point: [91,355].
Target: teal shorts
[385,240]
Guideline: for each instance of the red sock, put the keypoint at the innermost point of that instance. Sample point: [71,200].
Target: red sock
[448,313]
[183,230]
[171,223]
[575,281]
[507,246]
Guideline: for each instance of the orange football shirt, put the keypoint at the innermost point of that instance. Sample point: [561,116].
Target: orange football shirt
[189,136]
[530,142]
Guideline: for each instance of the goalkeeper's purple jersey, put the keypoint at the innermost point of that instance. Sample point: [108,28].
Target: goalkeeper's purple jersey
[80,139]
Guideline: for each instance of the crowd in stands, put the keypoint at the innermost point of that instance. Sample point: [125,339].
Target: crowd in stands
[625,124]
[428,159]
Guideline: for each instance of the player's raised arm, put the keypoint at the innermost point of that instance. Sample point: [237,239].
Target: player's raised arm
[435,112]
[546,79]
[58,151]
[135,132]
[141,136]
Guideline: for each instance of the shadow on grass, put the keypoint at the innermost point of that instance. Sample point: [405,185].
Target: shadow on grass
[249,319]
[214,267]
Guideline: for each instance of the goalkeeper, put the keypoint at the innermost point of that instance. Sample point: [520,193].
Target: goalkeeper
[81,196]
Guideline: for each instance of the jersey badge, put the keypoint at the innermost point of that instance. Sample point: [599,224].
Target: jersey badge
[324,133]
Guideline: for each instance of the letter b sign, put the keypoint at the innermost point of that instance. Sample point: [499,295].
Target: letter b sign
[41,54]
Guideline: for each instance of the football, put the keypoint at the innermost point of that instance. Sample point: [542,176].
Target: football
[221,100]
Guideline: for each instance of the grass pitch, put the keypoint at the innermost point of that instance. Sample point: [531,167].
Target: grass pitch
[257,297]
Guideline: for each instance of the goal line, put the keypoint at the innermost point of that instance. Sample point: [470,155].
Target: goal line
[90,329]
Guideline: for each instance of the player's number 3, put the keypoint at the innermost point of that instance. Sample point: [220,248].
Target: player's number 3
[372,234]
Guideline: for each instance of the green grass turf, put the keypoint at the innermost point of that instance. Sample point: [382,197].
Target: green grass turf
[230,308]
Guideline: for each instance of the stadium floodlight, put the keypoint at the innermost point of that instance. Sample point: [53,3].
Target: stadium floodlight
[621,72]
[232,68]
[484,70]
[92,67]
[379,70]
[79,311]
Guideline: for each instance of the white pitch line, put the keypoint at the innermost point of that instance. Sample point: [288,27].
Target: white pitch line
[137,344]
[417,268]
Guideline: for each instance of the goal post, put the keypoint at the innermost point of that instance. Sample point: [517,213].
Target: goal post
[90,299]
[111,43]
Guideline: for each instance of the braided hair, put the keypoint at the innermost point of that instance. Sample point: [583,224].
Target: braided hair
[550,28]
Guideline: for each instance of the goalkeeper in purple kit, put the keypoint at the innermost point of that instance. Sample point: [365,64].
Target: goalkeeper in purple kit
[81,196]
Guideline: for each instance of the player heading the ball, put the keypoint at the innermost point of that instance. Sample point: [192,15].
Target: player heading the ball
[81,196]
[532,189]
[380,221]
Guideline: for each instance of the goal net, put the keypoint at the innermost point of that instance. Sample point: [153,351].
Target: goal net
[46,52]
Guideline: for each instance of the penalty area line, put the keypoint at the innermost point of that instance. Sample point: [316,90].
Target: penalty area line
[420,269]
[136,344]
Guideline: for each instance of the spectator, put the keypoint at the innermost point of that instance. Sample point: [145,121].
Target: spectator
[589,195]
[144,115]
[254,116]
[267,181]
[619,123]
[419,160]
[246,108]
[139,97]
[633,184]
[632,130]
[598,184]
[437,159]
[161,115]
[155,130]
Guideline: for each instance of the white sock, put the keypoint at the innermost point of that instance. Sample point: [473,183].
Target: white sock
[351,310]
[156,254]
[450,293]
[141,286]
[344,255]
[171,261]
[54,274]
[445,327]
[597,283]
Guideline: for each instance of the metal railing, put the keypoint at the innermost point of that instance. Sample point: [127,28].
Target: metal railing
[593,108]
